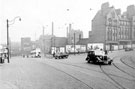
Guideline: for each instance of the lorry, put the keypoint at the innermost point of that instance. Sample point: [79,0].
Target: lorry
[60,55]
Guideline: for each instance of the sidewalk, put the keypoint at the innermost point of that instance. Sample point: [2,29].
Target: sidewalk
[48,56]
[121,53]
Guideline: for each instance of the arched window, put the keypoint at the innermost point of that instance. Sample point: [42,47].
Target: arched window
[110,21]
[108,33]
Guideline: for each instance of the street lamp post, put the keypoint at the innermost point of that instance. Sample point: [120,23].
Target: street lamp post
[74,43]
[7,42]
[52,38]
[13,21]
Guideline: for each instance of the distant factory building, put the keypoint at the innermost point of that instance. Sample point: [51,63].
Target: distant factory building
[73,35]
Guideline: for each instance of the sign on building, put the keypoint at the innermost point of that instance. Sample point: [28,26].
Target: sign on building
[94,46]
[78,48]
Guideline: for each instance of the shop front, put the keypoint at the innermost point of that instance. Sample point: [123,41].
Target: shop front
[126,44]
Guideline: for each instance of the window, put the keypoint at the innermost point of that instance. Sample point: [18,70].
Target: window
[107,33]
[110,34]
[134,23]
[122,22]
[113,15]
[125,23]
[126,31]
[128,22]
[134,33]
[109,21]
[115,22]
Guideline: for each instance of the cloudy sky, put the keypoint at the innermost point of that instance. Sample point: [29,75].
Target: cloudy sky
[38,13]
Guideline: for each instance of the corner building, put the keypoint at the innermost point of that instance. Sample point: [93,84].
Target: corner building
[113,29]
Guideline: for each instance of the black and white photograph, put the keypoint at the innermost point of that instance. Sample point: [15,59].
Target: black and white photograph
[67,44]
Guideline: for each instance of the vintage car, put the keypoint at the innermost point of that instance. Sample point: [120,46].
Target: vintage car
[60,55]
[98,57]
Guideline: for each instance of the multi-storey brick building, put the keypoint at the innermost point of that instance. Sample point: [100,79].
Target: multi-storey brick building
[113,29]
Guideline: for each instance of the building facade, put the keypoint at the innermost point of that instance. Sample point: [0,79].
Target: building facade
[49,43]
[113,29]
[73,36]
[45,43]
[26,45]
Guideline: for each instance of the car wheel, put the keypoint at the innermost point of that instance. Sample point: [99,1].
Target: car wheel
[88,60]
[110,62]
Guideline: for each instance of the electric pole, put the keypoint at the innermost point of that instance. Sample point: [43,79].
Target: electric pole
[52,37]
[74,43]
[43,42]
[7,41]
[9,21]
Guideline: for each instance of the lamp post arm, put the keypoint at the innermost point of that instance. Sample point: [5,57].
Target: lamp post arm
[9,21]
[13,21]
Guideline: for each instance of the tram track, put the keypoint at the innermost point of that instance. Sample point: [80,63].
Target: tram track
[119,86]
[100,72]
[132,61]
[123,70]
[127,63]
[116,82]
[113,81]
[94,70]
[90,87]
[109,76]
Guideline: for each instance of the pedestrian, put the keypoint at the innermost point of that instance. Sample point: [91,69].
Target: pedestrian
[53,54]
[78,52]
[105,56]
